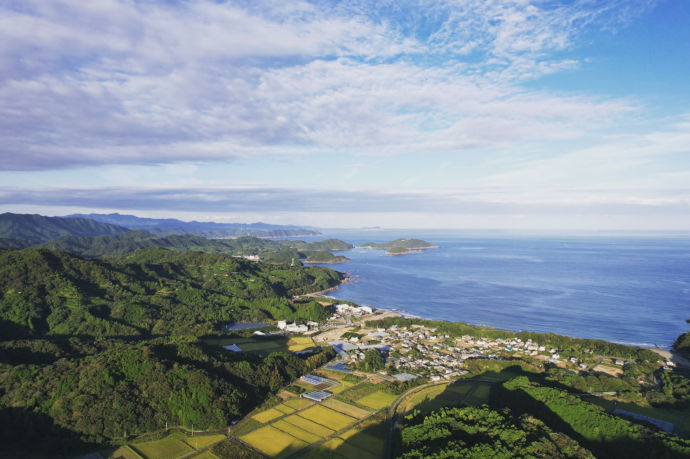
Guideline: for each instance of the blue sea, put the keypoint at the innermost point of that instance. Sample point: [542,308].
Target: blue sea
[633,290]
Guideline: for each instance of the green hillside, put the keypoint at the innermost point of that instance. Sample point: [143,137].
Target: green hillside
[153,291]
[37,228]
[400,246]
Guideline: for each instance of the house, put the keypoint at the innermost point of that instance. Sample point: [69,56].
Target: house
[282,324]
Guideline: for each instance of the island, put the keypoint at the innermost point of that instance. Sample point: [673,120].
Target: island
[400,246]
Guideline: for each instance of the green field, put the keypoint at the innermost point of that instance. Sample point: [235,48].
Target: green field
[364,440]
[202,441]
[377,400]
[345,408]
[268,415]
[327,417]
[273,442]
[347,449]
[479,395]
[122,452]
[168,447]
[309,426]
[206,455]
[263,346]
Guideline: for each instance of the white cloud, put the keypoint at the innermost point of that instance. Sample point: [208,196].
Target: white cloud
[152,82]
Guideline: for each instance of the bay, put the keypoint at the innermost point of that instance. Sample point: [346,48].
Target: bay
[632,290]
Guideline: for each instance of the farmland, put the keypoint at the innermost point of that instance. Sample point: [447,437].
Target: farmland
[174,445]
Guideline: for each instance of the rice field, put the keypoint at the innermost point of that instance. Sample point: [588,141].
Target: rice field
[347,449]
[309,426]
[283,408]
[206,455]
[273,442]
[296,432]
[299,343]
[267,416]
[202,441]
[123,452]
[298,403]
[345,408]
[168,447]
[327,417]
[377,400]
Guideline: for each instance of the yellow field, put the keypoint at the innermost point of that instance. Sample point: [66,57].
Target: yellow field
[364,441]
[295,431]
[166,448]
[424,395]
[299,343]
[345,408]
[337,389]
[273,442]
[267,415]
[202,441]
[298,403]
[309,426]
[377,400]
[123,451]
[284,409]
[329,418]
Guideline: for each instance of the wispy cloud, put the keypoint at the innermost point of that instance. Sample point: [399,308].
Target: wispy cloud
[154,82]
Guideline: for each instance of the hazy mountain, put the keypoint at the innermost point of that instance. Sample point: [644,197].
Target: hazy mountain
[168,226]
[37,228]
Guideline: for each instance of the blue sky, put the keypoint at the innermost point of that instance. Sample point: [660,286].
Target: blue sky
[436,113]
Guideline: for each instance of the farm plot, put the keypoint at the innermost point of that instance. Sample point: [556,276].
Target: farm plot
[347,449]
[377,400]
[299,343]
[273,442]
[167,447]
[268,415]
[309,426]
[327,417]
[122,452]
[283,408]
[345,408]
[298,403]
[202,441]
[296,432]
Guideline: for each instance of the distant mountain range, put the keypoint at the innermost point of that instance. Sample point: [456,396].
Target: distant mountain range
[19,229]
[170,226]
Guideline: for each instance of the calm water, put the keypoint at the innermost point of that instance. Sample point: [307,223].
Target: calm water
[628,290]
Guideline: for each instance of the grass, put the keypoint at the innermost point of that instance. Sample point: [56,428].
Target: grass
[296,432]
[202,441]
[298,403]
[345,408]
[377,400]
[480,395]
[327,417]
[125,452]
[268,415]
[309,426]
[672,416]
[267,345]
[167,447]
[273,442]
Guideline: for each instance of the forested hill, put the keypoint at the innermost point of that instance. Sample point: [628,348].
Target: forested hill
[169,226]
[269,250]
[37,228]
[153,291]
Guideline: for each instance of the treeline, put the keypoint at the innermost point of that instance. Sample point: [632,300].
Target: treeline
[149,292]
[483,432]
[567,345]
[67,395]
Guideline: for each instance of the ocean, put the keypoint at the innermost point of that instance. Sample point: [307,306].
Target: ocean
[632,290]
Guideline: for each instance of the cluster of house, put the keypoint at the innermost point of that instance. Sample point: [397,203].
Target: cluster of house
[297,328]
[423,350]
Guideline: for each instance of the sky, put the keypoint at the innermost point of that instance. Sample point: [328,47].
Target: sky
[474,114]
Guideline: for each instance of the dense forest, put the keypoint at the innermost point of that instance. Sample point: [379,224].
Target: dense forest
[153,291]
